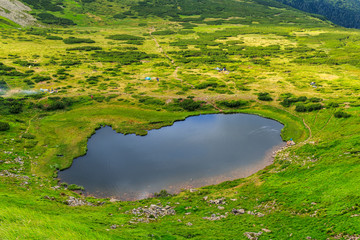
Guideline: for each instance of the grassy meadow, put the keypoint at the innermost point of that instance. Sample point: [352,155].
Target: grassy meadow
[59,84]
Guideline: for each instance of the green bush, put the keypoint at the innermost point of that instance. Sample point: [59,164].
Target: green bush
[124,37]
[264,96]
[73,187]
[206,85]
[84,48]
[300,108]
[332,105]
[15,108]
[162,193]
[164,32]
[308,108]
[50,37]
[232,104]
[28,136]
[190,105]
[74,40]
[341,114]
[51,19]
[4,126]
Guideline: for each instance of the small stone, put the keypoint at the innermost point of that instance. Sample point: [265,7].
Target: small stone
[252,235]
[221,208]
[189,224]
[113,226]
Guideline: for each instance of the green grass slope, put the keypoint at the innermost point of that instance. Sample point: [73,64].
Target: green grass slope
[59,84]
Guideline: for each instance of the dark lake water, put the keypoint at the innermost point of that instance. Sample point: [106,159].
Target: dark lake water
[201,150]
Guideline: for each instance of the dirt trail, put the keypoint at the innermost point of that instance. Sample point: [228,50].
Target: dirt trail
[29,123]
[160,48]
[175,73]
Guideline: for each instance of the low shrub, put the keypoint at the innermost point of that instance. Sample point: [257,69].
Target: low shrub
[50,37]
[264,96]
[73,187]
[124,37]
[300,107]
[28,136]
[341,114]
[4,126]
[74,40]
[232,104]
[84,48]
[189,104]
[162,193]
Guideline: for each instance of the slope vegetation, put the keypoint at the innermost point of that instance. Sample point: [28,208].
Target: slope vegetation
[343,13]
[58,84]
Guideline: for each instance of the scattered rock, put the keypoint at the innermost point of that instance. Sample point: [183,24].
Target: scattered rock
[221,208]
[219,201]
[255,213]
[154,211]
[253,235]
[6,173]
[266,230]
[189,224]
[205,198]
[192,190]
[237,211]
[75,202]
[49,198]
[214,217]
[114,226]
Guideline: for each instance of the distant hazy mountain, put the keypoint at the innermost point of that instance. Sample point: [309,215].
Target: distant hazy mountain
[342,12]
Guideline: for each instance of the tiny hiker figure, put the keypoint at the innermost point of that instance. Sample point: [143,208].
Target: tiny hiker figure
[157,79]
[92,97]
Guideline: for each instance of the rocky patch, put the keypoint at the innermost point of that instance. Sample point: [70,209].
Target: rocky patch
[17,12]
[75,202]
[151,213]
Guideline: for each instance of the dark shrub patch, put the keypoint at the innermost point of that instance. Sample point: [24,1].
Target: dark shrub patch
[232,104]
[50,37]
[40,78]
[190,105]
[308,108]
[332,105]
[84,48]
[300,108]
[125,37]
[15,107]
[28,136]
[124,58]
[164,32]
[206,85]
[51,19]
[341,114]
[162,193]
[264,96]
[4,126]
[73,40]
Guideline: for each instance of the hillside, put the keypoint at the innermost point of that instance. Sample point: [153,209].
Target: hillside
[87,67]
[344,13]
